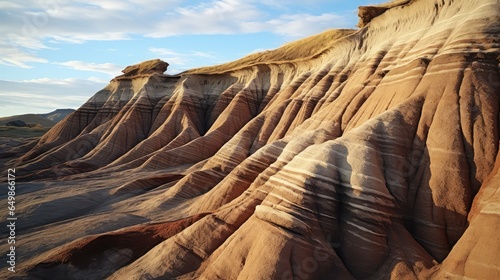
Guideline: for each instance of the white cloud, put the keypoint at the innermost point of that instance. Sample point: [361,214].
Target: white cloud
[236,16]
[169,52]
[35,26]
[163,51]
[20,51]
[108,68]
[9,5]
[25,42]
[98,80]
[301,25]
[185,60]
[45,94]
[215,17]
[82,38]
[78,21]
[12,56]
[50,81]
[203,54]
[67,81]
[37,23]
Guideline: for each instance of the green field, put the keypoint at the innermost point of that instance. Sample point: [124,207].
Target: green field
[22,132]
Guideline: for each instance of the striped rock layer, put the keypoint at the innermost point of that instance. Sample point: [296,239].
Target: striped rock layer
[364,153]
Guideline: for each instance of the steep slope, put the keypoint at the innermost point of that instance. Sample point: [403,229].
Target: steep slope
[367,153]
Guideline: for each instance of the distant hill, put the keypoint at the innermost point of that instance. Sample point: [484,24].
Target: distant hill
[57,115]
[45,120]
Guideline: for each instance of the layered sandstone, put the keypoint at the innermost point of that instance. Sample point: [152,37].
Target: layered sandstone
[363,153]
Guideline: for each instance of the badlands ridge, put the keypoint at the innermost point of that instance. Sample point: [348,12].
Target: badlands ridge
[352,154]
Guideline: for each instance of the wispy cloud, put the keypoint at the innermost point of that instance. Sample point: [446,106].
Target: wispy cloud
[237,16]
[17,57]
[215,17]
[164,51]
[98,80]
[39,23]
[33,29]
[108,68]
[301,25]
[184,60]
[50,81]
[45,94]
[10,5]
[67,81]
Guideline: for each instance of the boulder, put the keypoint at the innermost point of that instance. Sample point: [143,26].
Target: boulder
[17,123]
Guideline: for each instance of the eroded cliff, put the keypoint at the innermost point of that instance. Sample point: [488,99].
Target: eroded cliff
[363,153]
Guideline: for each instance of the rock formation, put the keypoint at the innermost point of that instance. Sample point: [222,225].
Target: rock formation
[363,153]
[16,123]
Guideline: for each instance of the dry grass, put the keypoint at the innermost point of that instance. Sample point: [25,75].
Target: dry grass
[22,132]
[29,119]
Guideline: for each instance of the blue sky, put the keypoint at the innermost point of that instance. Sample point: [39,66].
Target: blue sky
[58,53]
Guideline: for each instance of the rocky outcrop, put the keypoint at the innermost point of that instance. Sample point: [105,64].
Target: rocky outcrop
[367,13]
[16,123]
[363,153]
[155,66]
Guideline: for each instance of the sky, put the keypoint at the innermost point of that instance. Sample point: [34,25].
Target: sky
[57,53]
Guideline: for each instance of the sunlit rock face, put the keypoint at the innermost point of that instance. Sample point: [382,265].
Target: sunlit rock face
[363,153]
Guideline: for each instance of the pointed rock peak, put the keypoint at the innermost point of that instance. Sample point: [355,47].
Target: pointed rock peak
[367,13]
[148,67]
